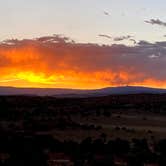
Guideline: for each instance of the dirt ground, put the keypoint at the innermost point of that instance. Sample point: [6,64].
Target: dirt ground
[119,126]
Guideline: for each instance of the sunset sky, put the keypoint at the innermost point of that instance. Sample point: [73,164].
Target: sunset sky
[82,44]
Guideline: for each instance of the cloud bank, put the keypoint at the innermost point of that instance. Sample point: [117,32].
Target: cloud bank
[57,61]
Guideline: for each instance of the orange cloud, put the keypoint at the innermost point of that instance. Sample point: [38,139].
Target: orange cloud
[56,61]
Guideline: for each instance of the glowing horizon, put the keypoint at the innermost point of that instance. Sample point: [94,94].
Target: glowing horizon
[59,62]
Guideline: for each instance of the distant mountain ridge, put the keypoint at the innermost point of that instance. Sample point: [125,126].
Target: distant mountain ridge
[58,92]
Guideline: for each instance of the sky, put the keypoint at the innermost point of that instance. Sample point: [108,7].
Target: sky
[82,44]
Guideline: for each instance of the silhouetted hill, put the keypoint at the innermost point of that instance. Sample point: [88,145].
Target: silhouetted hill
[58,92]
[130,90]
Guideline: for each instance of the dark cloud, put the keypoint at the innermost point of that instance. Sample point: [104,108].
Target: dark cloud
[105,36]
[122,38]
[106,13]
[156,22]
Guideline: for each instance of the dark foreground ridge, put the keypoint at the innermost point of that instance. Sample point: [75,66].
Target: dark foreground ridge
[115,130]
